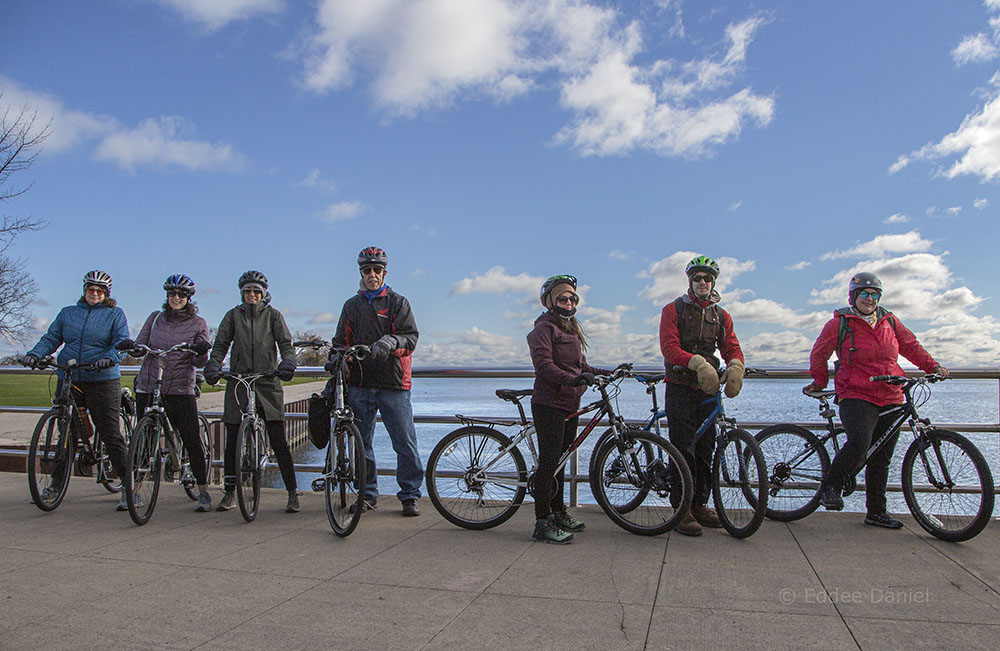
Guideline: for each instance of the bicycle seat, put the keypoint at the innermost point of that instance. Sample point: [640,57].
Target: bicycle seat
[513,394]
[821,394]
[650,379]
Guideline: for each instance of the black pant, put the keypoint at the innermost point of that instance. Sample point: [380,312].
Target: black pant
[276,434]
[863,425]
[555,434]
[685,414]
[182,412]
[103,401]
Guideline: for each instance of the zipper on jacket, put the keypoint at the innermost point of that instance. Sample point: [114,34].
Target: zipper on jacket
[83,329]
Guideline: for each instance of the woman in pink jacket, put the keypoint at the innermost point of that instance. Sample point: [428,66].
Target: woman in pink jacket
[868,339]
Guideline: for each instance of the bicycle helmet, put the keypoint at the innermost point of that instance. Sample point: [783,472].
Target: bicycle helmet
[702,263]
[253,277]
[551,282]
[98,278]
[372,256]
[863,280]
[179,283]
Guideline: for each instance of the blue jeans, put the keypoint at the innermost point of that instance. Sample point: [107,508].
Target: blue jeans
[397,416]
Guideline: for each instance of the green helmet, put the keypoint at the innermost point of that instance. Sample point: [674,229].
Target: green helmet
[703,263]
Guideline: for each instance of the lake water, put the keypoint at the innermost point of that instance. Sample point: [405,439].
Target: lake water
[954,401]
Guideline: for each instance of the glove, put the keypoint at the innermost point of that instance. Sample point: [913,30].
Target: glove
[810,388]
[333,362]
[583,379]
[125,344]
[733,377]
[201,347]
[104,363]
[213,372]
[286,369]
[30,361]
[708,377]
[380,349]
[942,371]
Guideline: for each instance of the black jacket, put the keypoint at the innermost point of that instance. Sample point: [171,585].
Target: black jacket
[364,322]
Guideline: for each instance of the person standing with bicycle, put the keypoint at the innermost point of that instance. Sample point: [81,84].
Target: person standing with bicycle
[693,328]
[382,319]
[88,332]
[257,333]
[868,340]
[177,322]
[557,345]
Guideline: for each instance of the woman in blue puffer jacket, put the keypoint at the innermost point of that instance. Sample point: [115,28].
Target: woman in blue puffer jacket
[89,332]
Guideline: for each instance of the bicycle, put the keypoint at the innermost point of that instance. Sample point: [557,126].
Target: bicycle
[954,474]
[63,435]
[345,467]
[154,450]
[739,479]
[477,479]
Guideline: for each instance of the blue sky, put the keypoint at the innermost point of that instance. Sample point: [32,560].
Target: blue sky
[487,144]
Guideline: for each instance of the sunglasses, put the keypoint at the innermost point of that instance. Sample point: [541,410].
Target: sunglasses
[869,294]
[367,271]
[253,290]
[568,298]
[702,278]
[177,294]
[94,289]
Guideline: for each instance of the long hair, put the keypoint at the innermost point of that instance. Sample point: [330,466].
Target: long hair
[189,309]
[571,326]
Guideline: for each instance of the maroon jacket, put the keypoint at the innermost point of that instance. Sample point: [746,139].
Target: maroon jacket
[558,358]
[163,330]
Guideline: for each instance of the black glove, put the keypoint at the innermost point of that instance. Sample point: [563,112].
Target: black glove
[104,363]
[30,361]
[125,344]
[583,379]
[201,347]
[213,372]
[379,351]
[286,369]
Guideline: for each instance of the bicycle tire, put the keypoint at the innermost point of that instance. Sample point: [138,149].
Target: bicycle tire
[52,447]
[647,458]
[204,435]
[476,498]
[782,445]
[248,453]
[345,485]
[143,465]
[631,500]
[965,466]
[739,483]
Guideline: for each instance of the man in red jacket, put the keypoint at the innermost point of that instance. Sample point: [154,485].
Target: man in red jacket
[868,340]
[692,329]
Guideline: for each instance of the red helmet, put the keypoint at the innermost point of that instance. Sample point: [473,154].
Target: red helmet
[372,256]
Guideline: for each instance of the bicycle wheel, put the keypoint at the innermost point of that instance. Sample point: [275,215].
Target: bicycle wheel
[475,478]
[739,483]
[644,458]
[796,464]
[50,458]
[248,453]
[950,489]
[615,470]
[345,485]
[187,477]
[142,476]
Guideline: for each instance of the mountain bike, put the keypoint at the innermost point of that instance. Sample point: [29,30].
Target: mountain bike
[477,478]
[155,450]
[345,468]
[63,435]
[739,472]
[946,481]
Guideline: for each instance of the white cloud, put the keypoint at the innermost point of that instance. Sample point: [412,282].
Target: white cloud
[897,218]
[787,347]
[954,211]
[618,254]
[155,142]
[799,266]
[974,49]
[315,181]
[669,280]
[344,210]
[883,245]
[497,281]
[487,348]
[734,206]
[67,127]
[426,230]
[981,203]
[213,14]
[992,5]
[764,310]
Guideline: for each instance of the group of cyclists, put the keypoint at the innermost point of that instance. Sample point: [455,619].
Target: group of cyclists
[696,336]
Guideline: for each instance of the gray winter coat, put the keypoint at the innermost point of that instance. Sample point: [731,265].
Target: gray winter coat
[163,330]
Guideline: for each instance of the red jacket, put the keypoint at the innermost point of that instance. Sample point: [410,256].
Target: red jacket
[871,351]
[676,355]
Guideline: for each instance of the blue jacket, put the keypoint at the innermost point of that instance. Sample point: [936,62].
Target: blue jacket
[86,334]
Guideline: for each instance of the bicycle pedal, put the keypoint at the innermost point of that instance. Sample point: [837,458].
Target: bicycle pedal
[187,482]
[319,485]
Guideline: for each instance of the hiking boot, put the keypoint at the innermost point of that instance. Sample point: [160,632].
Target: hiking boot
[705,516]
[227,502]
[567,522]
[830,498]
[204,503]
[547,531]
[410,508]
[689,526]
[883,519]
[293,502]
[370,505]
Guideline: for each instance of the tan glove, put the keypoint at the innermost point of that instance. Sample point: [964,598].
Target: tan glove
[733,377]
[708,377]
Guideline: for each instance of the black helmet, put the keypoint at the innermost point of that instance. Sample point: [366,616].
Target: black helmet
[702,263]
[179,283]
[372,256]
[865,280]
[98,278]
[551,282]
[253,277]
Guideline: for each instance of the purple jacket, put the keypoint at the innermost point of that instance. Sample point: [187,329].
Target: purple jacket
[163,330]
[558,358]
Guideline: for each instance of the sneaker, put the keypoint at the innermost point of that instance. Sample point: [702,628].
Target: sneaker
[547,531]
[227,502]
[689,526]
[830,498]
[204,503]
[293,502]
[49,494]
[883,519]
[410,508]
[370,505]
[705,516]
[567,522]
[123,502]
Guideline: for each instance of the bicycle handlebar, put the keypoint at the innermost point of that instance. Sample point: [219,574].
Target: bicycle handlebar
[158,352]
[227,375]
[902,379]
